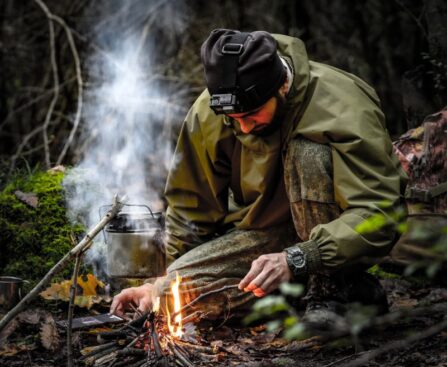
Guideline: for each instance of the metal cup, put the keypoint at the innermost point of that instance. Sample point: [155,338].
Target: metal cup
[10,291]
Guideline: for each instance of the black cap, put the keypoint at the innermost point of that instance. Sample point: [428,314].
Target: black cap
[243,65]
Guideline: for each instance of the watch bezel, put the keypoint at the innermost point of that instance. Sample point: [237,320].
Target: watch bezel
[296,260]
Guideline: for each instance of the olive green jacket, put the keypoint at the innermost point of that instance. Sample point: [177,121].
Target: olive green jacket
[222,179]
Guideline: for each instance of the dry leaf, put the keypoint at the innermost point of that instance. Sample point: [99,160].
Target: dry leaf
[28,198]
[12,349]
[98,330]
[85,299]
[31,317]
[7,331]
[89,285]
[49,336]
[56,169]
[405,303]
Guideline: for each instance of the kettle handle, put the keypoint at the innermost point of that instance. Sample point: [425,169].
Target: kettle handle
[101,213]
[144,206]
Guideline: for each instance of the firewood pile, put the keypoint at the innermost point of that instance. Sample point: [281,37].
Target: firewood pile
[146,341]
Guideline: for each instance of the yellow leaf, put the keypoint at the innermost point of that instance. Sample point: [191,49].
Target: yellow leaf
[89,286]
[87,291]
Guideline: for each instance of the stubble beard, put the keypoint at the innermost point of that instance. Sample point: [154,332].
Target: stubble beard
[277,119]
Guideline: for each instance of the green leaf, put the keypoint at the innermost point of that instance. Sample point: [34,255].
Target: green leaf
[290,321]
[291,289]
[273,326]
[402,227]
[270,303]
[432,269]
[297,331]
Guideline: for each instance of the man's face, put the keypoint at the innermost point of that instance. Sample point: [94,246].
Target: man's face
[256,121]
[264,120]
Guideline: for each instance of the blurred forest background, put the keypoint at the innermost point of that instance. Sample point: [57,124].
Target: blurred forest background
[398,46]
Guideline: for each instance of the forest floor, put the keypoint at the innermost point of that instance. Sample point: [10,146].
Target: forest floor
[34,340]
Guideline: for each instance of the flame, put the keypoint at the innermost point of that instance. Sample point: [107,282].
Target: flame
[176,328]
[156,305]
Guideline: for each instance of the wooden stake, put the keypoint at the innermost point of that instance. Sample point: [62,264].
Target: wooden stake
[74,284]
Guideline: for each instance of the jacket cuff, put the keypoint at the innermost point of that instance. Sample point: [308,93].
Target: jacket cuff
[312,255]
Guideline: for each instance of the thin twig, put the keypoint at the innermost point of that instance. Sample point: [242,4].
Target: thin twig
[29,103]
[412,16]
[154,336]
[98,349]
[80,90]
[55,82]
[183,359]
[22,145]
[399,344]
[202,296]
[136,310]
[74,284]
[343,359]
[77,63]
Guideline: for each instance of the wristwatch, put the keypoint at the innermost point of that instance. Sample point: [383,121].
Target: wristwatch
[296,261]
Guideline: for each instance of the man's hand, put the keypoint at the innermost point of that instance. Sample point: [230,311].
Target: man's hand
[141,297]
[266,274]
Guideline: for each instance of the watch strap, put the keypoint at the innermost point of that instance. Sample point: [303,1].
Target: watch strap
[311,254]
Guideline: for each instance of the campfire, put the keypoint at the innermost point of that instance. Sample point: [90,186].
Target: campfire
[152,339]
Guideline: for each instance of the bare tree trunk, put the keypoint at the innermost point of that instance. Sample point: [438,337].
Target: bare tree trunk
[435,16]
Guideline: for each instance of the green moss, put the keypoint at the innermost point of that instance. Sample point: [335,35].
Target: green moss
[382,274]
[32,240]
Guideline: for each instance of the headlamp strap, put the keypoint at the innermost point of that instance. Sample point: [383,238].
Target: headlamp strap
[232,49]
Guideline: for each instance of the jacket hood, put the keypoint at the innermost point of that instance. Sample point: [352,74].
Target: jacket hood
[294,52]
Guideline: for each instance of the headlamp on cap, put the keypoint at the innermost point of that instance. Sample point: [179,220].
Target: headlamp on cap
[230,102]
[243,70]
[226,103]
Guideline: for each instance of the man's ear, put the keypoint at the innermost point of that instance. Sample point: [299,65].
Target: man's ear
[284,88]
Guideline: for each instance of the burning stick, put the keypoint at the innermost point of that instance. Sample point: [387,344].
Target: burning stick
[202,296]
[194,317]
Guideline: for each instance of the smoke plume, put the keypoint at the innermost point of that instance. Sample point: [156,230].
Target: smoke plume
[126,145]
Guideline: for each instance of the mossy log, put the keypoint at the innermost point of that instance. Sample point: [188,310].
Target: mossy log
[61,264]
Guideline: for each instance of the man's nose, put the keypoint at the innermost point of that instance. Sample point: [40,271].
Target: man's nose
[246,125]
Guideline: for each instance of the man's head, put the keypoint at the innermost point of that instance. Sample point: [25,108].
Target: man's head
[245,77]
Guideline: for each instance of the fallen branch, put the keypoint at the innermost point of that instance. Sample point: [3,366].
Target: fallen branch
[78,249]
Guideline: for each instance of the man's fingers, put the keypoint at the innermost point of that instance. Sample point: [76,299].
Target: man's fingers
[114,306]
[259,292]
[145,305]
[252,274]
[259,281]
[117,309]
[271,284]
[120,301]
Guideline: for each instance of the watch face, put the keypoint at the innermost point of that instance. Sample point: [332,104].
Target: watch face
[298,260]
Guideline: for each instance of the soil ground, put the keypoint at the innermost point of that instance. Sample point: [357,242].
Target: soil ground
[32,343]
